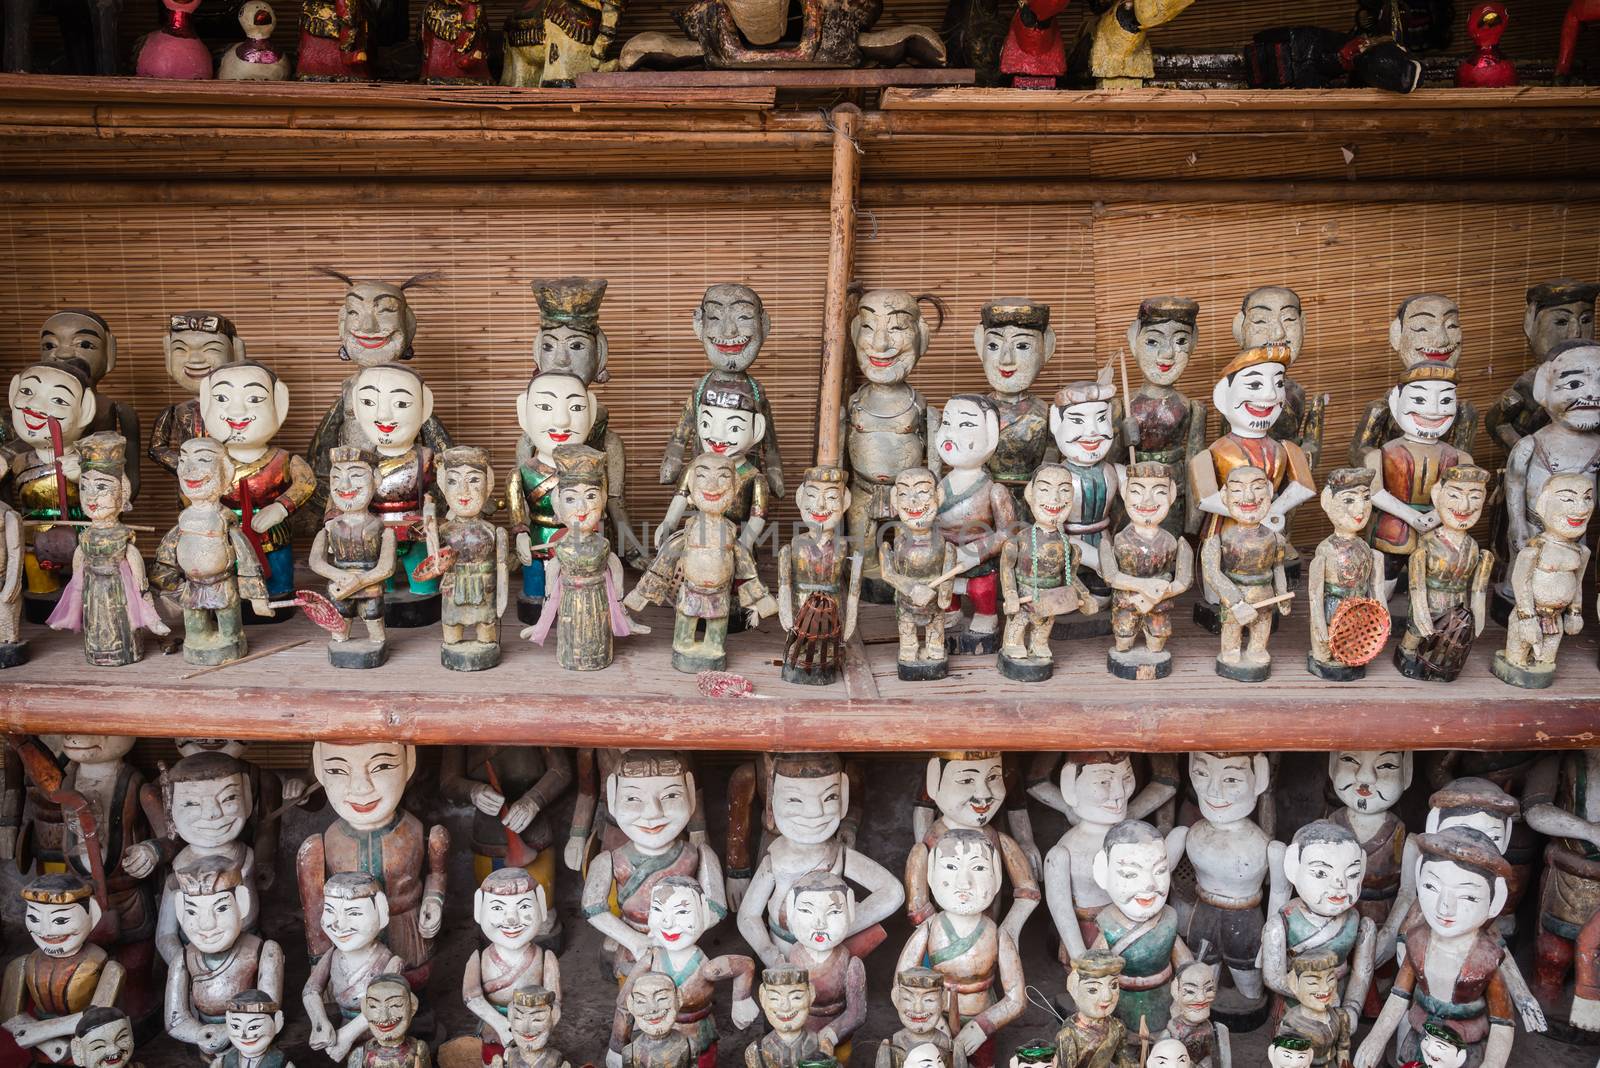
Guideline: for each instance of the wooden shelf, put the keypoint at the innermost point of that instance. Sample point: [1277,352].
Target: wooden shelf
[640,701]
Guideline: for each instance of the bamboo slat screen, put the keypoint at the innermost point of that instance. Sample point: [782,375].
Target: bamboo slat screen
[1351,264]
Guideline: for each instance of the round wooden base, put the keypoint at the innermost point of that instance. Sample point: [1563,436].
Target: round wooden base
[36,607]
[1209,616]
[358,653]
[972,643]
[1239,1015]
[408,611]
[13,654]
[211,655]
[1077,626]
[876,591]
[1527,678]
[1245,672]
[470,656]
[1028,669]
[694,663]
[1139,665]
[923,671]
[529,609]
[810,677]
[1334,672]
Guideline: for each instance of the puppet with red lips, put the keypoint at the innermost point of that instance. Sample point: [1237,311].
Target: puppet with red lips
[509,906]
[44,395]
[78,335]
[819,582]
[389,1007]
[1084,427]
[1132,870]
[1425,332]
[474,585]
[1368,784]
[918,999]
[556,409]
[730,424]
[914,563]
[1567,389]
[1093,1036]
[1194,991]
[196,343]
[786,996]
[821,913]
[1448,570]
[1039,576]
[1014,342]
[1160,423]
[1313,979]
[976,515]
[1557,311]
[1146,568]
[1271,315]
[1546,580]
[103,1039]
[1242,564]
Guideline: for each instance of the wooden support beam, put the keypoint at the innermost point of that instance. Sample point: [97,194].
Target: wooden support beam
[841,269]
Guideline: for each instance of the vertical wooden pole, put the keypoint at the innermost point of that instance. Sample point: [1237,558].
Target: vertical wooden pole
[841,267]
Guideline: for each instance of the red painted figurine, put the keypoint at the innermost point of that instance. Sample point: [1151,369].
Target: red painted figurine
[453,51]
[1488,68]
[333,41]
[1034,55]
[1579,12]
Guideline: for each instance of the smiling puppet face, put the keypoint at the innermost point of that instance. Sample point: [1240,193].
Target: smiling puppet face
[1136,877]
[351,484]
[1227,784]
[822,503]
[210,812]
[1458,501]
[731,325]
[968,790]
[1148,499]
[730,431]
[1014,341]
[1251,399]
[889,335]
[59,930]
[353,923]
[712,482]
[786,999]
[509,921]
[1424,410]
[1565,505]
[252,1033]
[1163,336]
[653,1003]
[192,351]
[391,405]
[915,498]
[1049,495]
[1247,494]
[1270,316]
[1427,330]
[1098,790]
[1194,991]
[376,324]
[807,810]
[43,392]
[365,781]
[110,1045]
[1325,864]
[389,1006]
[653,807]
[465,486]
[1083,432]
[243,405]
[1568,386]
[918,1000]
[678,914]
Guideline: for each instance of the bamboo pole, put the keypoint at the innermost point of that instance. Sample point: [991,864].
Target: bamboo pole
[841,267]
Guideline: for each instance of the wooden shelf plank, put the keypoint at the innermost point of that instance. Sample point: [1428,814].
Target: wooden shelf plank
[872,78]
[641,701]
[1104,101]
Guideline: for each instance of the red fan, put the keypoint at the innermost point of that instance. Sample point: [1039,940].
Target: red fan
[317,608]
[724,684]
[434,565]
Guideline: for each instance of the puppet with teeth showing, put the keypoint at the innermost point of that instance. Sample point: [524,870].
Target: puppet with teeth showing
[1344,567]
[47,992]
[732,325]
[78,336]
[730,425]
[355,911]
[915,560]
[389,1007]
[1449,575]
[814,564]
[679,916]
[510,909]
[196,343]
[1147,567]
[1313,981]
[1425,332]
[1159,422]
[556,409]
[243,405]
[1084,429]
[49,402]
[786,997]
[1039,576]
[1094,1037]
[475,585]
[1567,388]
[976,515]
[886,424]
[1194,991]
[653,1002]
[254,1020]
[1243,565]
[919,1001]
[1250,396]
[1557,312]
[1272,315]
[1547,581]
[103,1039]
[1134,873]
[1014,342]
[1422,406]
[1325,864]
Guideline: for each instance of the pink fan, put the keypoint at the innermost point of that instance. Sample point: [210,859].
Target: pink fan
[724,684]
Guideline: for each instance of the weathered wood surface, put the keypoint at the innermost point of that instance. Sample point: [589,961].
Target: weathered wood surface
[873,78]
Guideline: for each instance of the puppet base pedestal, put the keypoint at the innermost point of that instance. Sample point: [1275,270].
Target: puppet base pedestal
[408,611]
[13,654]
[876,591]
[469,656]
[968,642]
[1334,672]
[922,671]
[698,659]
[1245,672]
[36,607]
[358,653]
[529,609]
[1077,626]
[1139,665]
[212,653]
[1209,616]
[802,676]
[1412,667]
[1028,669]
[1526,678]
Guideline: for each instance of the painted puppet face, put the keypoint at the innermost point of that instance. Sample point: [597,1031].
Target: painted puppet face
[509,921]
[1369,781]
[786,1005]
[1459,504]
[677,917]
[108,1046]
[1163,350]
[653,1001]
[1454,900]
[1424,411]
[1049,495]
[58,930]
[1279,1057]
[252,1033]
[822,504]
[1272,316]
[95,748]
[204,470]
[391,406]
[556,410]
[970,792]
[101,494]
[730,432]
[351,485]
[926,1055]
[966,436]
[240,405]
[1247,494]
[364,782]
[193,354]
[1348,509]
[1569,388]
[916,502]
[964,876]
[1428,332]
[819,919]
[889,334]
[353,923]
[211,922]
[1564,505]
[808,810]
[1138,879]
[1099,792]
[732,325]
[376,324]
[69,335]
[1316,990]
[1193,993]
[41,393]
[1013,356]
[1169,1053]
[466,488]
[389,1007]
[211,812]
[1491,825]
[1095,996]
[1437,1053]
[1563,322]
[1084,432]
[712,486]
[652,810]
[1226,785]
[918,1007]
[1148,500]
[1252,399]
[581,506]
[1328,877]
[531,1026]
[569,350]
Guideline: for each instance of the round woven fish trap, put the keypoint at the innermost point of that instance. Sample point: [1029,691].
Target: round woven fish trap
[1358,631]
[1444,652]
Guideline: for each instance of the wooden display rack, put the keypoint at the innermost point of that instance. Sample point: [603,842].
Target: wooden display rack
[126,193]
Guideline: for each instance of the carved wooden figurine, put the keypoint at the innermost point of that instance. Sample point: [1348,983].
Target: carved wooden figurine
[52,406]
[1290,1051]
[1120,56]
[1038,576]
[1422,406]
[1194,991]
[355,552]
[1547,581]
[886,424]
[653,1002]
[786,996]
[1560,801]
[254,59]
[918,565]
[735,34]
[1132,869]
[242,405]
[1325,863]
[1557,311]
[919,1001]
[698,568]
[731,325]
[267,790]
[730,425]
[1313,981]
[1093,1035]
[103,1039]
[976,515]
[1233,859]
[1168,1053]
[1271,315]
[1158,422]
[1250,395]
[175,51]
[533,1018]
[333,42]
[454,44]
[679,916]
[365,783]
[475,583]
[651,796]
[555,411]
[195,344]
[1367,785]
[354,913]
[1449,577]
[47,991]
[821,913]
[1344,568]
[550,44]
[1034,54]
[1146,568]
[1014,341]
[77,337]
[1425,332]
[1451,971]
[968,948]
[389,1007]
[809,798]
[509,907]
[1566,386]
[221,960]
[108,597]
[1243,566]
[206,563]
[254,1019]
[814,563]
[583,578]
[1081,420]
